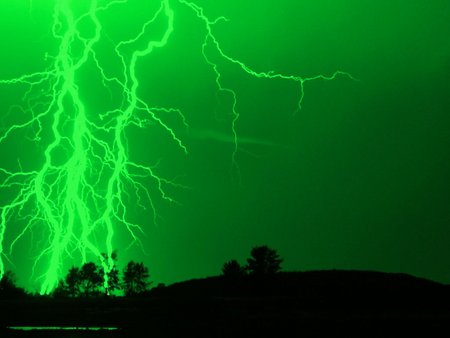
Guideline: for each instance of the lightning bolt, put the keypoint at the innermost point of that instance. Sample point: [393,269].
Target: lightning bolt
[78,195]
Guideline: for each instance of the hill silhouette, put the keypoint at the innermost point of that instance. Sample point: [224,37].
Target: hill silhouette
[315,303]
[322,288]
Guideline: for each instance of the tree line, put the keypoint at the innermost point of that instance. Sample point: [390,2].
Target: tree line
[262,261]
[89,279]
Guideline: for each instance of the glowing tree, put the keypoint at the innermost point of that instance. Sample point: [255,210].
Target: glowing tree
[78,191]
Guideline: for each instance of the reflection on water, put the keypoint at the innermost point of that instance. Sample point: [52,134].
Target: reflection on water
[61,332]
[58,328]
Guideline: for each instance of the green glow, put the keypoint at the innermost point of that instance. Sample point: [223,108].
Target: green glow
[207,135]
[79,195]
[62,328]
[210,39]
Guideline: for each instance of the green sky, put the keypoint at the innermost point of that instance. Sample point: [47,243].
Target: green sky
[357,179]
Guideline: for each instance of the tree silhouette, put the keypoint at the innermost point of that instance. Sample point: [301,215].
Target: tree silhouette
[61,290]
[232,268]
[90,279]
[113,281]
[8,288]
[113,275]
[135,278]
[263,261]
[73,282]
[7,281]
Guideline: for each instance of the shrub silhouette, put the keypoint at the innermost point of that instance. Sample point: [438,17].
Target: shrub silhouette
[233,269]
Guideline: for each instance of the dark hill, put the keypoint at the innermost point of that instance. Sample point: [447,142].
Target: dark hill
[289,304]
[321,288]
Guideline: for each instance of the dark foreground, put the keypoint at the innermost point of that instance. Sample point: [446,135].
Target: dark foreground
[314,304]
